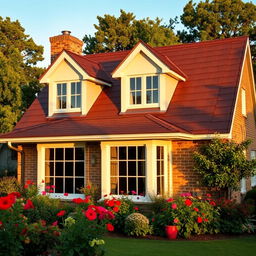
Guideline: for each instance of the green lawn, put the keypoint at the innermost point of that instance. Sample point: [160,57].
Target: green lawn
[138,247]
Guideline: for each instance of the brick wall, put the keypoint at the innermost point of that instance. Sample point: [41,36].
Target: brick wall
[67,42]
[244,127]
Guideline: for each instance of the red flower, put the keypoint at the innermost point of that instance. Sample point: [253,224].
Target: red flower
[52,186]
[78,200]
[65,194]
[88,187]
[1,223]
[199,220]
[5,202]
[134,192]
[43,223]
[29,182]
[174,206]
[117,203]
[55,223]
[176,220]
[116,209]
[188,202]
[90,214]
[170,200]
[42,181]
[212,203]
[16,194]
[29,205]
[61,213]
[48,187]
[56,233]
[196,209]
[51,191]
[153,219]
[136,208]
[208,195]
[43,193]
[110,227]
[206,220]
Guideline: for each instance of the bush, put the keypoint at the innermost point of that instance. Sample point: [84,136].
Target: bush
[8,185]
[234,217]
[91,191]
[136,224]
[191,216]
[250,198]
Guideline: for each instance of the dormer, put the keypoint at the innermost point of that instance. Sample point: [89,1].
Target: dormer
[74,81]
[148,79]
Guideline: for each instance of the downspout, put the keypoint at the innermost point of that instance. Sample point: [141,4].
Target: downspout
[22,161]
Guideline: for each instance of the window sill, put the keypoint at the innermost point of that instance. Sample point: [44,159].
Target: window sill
[142,111]
[69,197]
[135,198]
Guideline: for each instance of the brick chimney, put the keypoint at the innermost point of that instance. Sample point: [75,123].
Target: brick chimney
[65,41]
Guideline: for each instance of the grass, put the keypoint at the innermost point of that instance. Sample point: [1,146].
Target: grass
[245,246]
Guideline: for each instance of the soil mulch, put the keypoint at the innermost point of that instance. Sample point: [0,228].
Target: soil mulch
[206,237]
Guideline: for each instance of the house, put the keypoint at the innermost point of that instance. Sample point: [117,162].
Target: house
[129,121]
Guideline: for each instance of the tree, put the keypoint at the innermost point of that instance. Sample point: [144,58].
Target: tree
[214,19]
[123,32]
[222,164]
[18,57]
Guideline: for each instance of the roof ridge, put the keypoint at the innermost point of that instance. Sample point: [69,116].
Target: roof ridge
[164,123]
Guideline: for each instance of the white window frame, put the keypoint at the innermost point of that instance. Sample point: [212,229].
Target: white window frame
[41,167]
[243,99]
[68,108]
[151,170]
[144,103]
[253,178]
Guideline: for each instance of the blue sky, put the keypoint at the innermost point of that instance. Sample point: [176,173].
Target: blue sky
[44,18]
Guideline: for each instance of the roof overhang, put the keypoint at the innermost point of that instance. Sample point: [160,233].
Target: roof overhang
[141,48]
[45,78]
[113,137]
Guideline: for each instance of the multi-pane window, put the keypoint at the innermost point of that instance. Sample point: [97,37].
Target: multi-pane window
[76,95]
[152,89]
[128,170]
[61,96]
[144,91]
[64,168]
[160,170]
[135,90]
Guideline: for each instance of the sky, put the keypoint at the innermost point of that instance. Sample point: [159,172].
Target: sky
[42,19]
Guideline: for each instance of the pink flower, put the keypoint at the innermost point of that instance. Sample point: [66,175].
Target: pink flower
[136,208]
[174,206]
[43,193]
[65,194]
[48,187]
[51,191]
[55,223]
[176,220]
[170,200]
[133,192]
[52,186]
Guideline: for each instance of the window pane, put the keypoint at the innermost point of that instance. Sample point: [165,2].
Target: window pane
[132,168]
[148,82]
[155,82]
[64,89]
[69,153]
[73,88]
[138,83]
[141,168]
[122,153]
[73,101]
[58,89]
[131,153]
[49,154]
[79,169]
[59,185]
[132,84]
[138,98]
[149,97]
[141,186]
[59,169]
[141,152]
[78,88]
[78,101]
[158,167]
[113,186]
[122,185]
[58,103]
[79,153]
[122,168]
[63,102]
[59,153]
[69,185]
[69,169]
[155,96]
[113,168]
[132,185]
[49,169]
[79,183]
[113,153]
[132,98]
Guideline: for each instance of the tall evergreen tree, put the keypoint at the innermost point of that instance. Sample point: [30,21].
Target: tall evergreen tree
[123,32]
[18,57]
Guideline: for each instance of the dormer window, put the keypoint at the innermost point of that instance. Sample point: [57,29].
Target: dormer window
[144,91]
[68,97]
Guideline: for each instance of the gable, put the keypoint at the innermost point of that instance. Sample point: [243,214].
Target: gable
[141,64]
[65,72]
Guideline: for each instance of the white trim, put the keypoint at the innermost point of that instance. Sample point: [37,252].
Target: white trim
[247,50]
[141,48]
[243,99]
[65,56]
[113,137]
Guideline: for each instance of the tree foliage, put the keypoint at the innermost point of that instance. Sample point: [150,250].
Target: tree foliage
[18,55]
[216,19]
[123,32]
[222,164]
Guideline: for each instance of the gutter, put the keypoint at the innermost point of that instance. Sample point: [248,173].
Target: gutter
[21,163]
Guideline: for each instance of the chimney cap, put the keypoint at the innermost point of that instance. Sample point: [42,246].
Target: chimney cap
[66,32]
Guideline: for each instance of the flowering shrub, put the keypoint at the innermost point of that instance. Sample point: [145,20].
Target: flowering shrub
[136,224]
[92,191]
[191,216]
